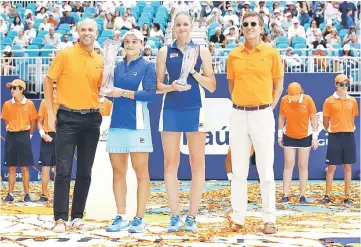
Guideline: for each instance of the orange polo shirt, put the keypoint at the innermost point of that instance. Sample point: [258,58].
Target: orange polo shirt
[253,74]
[298,116]
[341,112]
[78,76]
[105,107]
[19,114]
[43,112]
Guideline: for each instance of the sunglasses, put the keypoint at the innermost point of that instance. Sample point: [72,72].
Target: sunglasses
[15,87]
[246,24]
[344,84]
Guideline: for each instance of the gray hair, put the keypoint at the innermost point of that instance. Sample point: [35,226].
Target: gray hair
[254,14]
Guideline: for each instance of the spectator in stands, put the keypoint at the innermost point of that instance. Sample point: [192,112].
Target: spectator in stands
[276,17]
[287,22]
[109,22]
[5,7]
[339,122]
[318,41]
[17,25]
[262,7]
[215,17]
[354,42]
[178,7]
[116,35]
[290,8]
[147,51]
[245,9]
[122,23]
[275,6]
[218,37]
[231,16]
[297,136]
[346,62]
[21,39]
[65,44]
[206,11]
[318,11]
[344,8]
[331,12]
[265,17]
[3,26]
[232,36]
[67,19]
[131,18]
[276,31]
[349,19]
[266,39]
[52,20]
[45,25]
[320,64]
[296,30]
[293,62]
[333,38]
[347,37]
[195,9]
[327,29]
[13,13]
[78,8]
[156,32]
[57,11]
[216,63]
[52,38]
[29,15]
[7,62]
[42,13]
[145,31]
[97,48]
[304,12]
[31,32]
[312,31]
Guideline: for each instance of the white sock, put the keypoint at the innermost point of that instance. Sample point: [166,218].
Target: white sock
[124,216]
[11,194]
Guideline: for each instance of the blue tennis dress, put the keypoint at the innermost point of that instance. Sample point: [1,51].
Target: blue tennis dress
[182,111]
[130,126]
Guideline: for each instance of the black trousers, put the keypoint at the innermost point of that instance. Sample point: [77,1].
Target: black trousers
[81,131]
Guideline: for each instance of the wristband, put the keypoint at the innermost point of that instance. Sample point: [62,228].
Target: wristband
[31,136]
[41,132]
[280,133]
[314,136]
[229,176]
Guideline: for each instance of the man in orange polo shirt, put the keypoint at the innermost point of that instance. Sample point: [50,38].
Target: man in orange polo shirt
[19,114]
[339,112]
[78,73]
[255,75]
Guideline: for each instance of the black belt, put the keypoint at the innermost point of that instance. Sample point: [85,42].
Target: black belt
[82,111]
[251,108]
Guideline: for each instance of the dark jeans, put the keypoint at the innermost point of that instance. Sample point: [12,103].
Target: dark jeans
[81,131]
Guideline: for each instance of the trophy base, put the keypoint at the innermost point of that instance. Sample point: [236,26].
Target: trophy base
[106,91]
[182,82]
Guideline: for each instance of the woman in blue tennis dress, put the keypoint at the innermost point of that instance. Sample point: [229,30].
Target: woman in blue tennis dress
[183,111]
[129,133]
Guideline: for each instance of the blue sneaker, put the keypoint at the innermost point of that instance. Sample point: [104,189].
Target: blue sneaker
[118,225]
[27,198]
[326,199]
[137,225]
[43,198]
[303,200]
[9,198]
[190,225]
[284,199]
[175,224]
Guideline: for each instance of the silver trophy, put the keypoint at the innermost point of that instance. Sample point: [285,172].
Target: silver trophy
[190,55]
[110,51]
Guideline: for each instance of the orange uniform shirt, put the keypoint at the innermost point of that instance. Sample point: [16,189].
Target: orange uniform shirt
[78,76]
[253,74]
[105,107]
[341,112]
[298,116]
[19,114]
[43,112]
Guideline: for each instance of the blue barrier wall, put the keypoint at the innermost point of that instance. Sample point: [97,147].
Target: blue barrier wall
[319,86]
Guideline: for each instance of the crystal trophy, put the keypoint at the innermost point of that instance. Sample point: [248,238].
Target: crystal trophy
[110,51]
[190,55]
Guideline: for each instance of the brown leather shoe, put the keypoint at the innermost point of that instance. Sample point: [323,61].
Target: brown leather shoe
[269,228]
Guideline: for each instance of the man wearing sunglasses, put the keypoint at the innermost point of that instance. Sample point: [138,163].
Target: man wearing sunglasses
[255,75]
[339,112]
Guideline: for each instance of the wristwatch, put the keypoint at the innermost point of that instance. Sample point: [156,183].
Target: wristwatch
[124,94]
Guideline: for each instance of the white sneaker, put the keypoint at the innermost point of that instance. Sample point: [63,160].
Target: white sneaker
[60,226]
[79,224]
